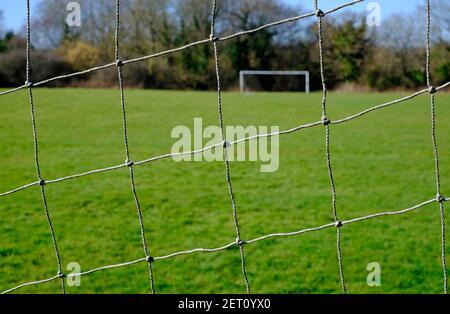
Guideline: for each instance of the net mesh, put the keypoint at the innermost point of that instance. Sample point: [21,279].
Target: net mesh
[239,243]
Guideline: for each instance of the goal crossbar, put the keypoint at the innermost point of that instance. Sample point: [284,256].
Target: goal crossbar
[243,73]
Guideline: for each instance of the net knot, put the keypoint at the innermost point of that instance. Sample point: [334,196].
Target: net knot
[338,224]
[440,198]
[28,83]
[61,274]
[213,38]
[226,144]
[325,121]
[432,90]
[150,259]
[129,163]
[320,13]
[119,63]
[42,182]
[239,242]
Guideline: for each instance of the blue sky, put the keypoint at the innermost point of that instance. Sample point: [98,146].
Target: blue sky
[387,6]
[14,10]
[14,13]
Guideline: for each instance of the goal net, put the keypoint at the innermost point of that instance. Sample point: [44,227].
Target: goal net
[324,121]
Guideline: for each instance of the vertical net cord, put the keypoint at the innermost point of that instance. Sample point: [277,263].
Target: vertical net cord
[127,152]
[326,122]
[239,241]
[435,146]
[36,150]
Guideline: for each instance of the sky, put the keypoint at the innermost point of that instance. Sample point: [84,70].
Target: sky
[387,6]
[14,10]
[14,13]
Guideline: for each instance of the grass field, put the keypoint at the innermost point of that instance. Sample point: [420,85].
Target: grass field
[382,161]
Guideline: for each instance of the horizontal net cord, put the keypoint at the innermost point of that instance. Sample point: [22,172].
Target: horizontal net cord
[16,89]
[31,283]
[181,48]
[364,112]
[443,86]
[207,148]
[232,244]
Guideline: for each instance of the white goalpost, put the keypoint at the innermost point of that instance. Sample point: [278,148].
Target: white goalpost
[244,73]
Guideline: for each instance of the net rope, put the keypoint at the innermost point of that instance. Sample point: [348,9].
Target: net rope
[240,243]
[128,161]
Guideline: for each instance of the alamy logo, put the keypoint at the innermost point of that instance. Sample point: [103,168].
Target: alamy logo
[74,17]
[264,149]
[74,277]
[374,277]
[374,16]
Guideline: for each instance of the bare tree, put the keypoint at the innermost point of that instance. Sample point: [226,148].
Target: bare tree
[402,32]
[147,26]
[48,25]
[441,19]
[1,24]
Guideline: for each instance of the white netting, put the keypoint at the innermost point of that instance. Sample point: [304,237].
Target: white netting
[240,243]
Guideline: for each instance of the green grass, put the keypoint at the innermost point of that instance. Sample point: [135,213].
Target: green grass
[382,162]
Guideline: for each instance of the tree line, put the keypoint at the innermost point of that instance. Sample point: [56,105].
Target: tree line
[357,56]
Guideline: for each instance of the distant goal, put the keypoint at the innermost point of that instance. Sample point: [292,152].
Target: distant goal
[244,73]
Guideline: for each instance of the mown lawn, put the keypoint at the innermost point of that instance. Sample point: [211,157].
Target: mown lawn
[382,161]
